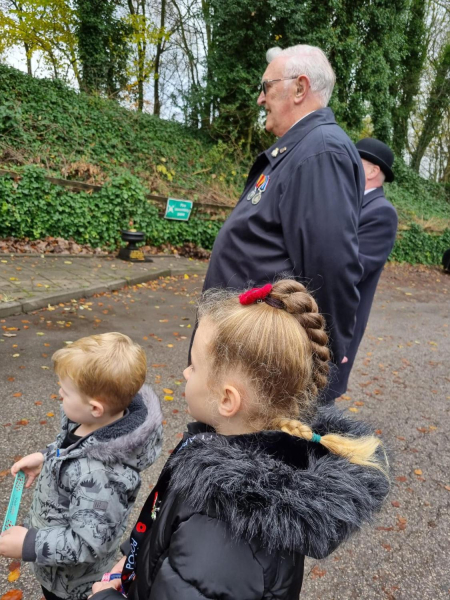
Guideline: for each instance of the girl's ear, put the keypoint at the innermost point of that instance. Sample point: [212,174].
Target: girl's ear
[97,408]
[230,403]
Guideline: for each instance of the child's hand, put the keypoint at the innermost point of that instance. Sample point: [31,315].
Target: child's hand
[11,542]
[118,567]
[31,465]
[100,586]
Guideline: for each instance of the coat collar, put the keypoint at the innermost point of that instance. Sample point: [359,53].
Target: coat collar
[291,494]
[376,193]
[281,148]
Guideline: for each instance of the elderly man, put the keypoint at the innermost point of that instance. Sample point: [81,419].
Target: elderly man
[299,212]
[376,234]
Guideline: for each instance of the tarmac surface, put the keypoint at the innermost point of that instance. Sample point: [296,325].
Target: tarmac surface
[400,384]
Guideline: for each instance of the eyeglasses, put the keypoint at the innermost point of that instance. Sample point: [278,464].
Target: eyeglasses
[263,84]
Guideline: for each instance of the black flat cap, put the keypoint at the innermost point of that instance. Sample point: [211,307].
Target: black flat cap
[377,153]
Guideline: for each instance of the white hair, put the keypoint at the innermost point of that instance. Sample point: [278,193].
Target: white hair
[310,61]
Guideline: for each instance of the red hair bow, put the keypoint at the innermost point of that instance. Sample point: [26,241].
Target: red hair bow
[255,294]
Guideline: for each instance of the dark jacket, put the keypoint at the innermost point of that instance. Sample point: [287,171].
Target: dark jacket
[239,513]
[304,225]
[376,233]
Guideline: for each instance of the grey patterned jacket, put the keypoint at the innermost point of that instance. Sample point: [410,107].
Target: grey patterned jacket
[84,496]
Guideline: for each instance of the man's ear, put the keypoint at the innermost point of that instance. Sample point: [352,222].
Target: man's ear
[374,171]
[97,408]
[231,402]
[302,86]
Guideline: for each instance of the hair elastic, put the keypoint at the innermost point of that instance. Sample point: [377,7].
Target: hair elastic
[316,438]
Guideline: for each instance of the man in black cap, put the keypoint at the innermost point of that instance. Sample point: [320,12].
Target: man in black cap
[376,235]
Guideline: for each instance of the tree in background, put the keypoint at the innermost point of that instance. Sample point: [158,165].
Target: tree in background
[436,108]
[103,46]
[407,85]
[47,27]
[364,41]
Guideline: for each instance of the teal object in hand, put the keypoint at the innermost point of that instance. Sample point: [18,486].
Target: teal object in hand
[14,501]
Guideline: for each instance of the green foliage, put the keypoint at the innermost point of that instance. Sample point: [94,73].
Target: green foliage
[437,104]
[365,42]
[47,122]
[417,198]
[34,208]
[416,246]
[103,46]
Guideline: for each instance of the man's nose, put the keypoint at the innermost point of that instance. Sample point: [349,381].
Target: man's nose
[261,99]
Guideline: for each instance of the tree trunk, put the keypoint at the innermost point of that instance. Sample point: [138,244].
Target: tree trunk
[157,100]
[437,104]
[28,55]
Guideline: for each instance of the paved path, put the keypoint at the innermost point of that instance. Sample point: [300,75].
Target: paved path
[30,282]
[401,384]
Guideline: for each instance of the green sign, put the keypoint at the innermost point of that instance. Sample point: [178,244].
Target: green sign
[179,210]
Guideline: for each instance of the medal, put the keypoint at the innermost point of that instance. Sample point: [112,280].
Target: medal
[251,194]
[257,197]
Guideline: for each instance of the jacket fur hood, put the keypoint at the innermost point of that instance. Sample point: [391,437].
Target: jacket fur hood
[292,494]
[135,439]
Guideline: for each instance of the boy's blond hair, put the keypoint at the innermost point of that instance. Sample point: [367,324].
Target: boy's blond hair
[109,367]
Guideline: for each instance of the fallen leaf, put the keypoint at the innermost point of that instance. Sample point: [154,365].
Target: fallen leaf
[167,391]
[46,344]
[10,335]
[359,403]
[168,398]
[387,547]
[395,503]
[401,478]
[12,595]
[40,333]
[22,422]
[14,575]
[15,564]
[11,378]
[317,572]
[418,471]
[353,409]
[54,396]
[170,345]
[17,395]
[38,403]
[50,414]
[15,356]
[156,365]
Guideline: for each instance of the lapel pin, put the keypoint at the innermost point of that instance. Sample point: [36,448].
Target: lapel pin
[275,152]
[283,150]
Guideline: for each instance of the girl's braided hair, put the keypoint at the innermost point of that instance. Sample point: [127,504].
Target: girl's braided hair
[278,347]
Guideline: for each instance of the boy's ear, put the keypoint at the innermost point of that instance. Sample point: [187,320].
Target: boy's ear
[97,408]
[231,402]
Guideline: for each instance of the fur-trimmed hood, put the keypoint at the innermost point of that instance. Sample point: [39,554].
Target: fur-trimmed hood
[135,439]
[292,494]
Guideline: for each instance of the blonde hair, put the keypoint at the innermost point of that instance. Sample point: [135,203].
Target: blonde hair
[280,345]
[109,367]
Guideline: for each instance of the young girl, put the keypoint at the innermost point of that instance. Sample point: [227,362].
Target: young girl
[263,477]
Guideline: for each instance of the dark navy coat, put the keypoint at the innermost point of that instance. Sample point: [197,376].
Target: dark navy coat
[305,223]
[376,232]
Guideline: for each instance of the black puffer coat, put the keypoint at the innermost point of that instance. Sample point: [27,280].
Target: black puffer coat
[236,515]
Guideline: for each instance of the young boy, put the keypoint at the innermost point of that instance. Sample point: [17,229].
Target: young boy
[89,478]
